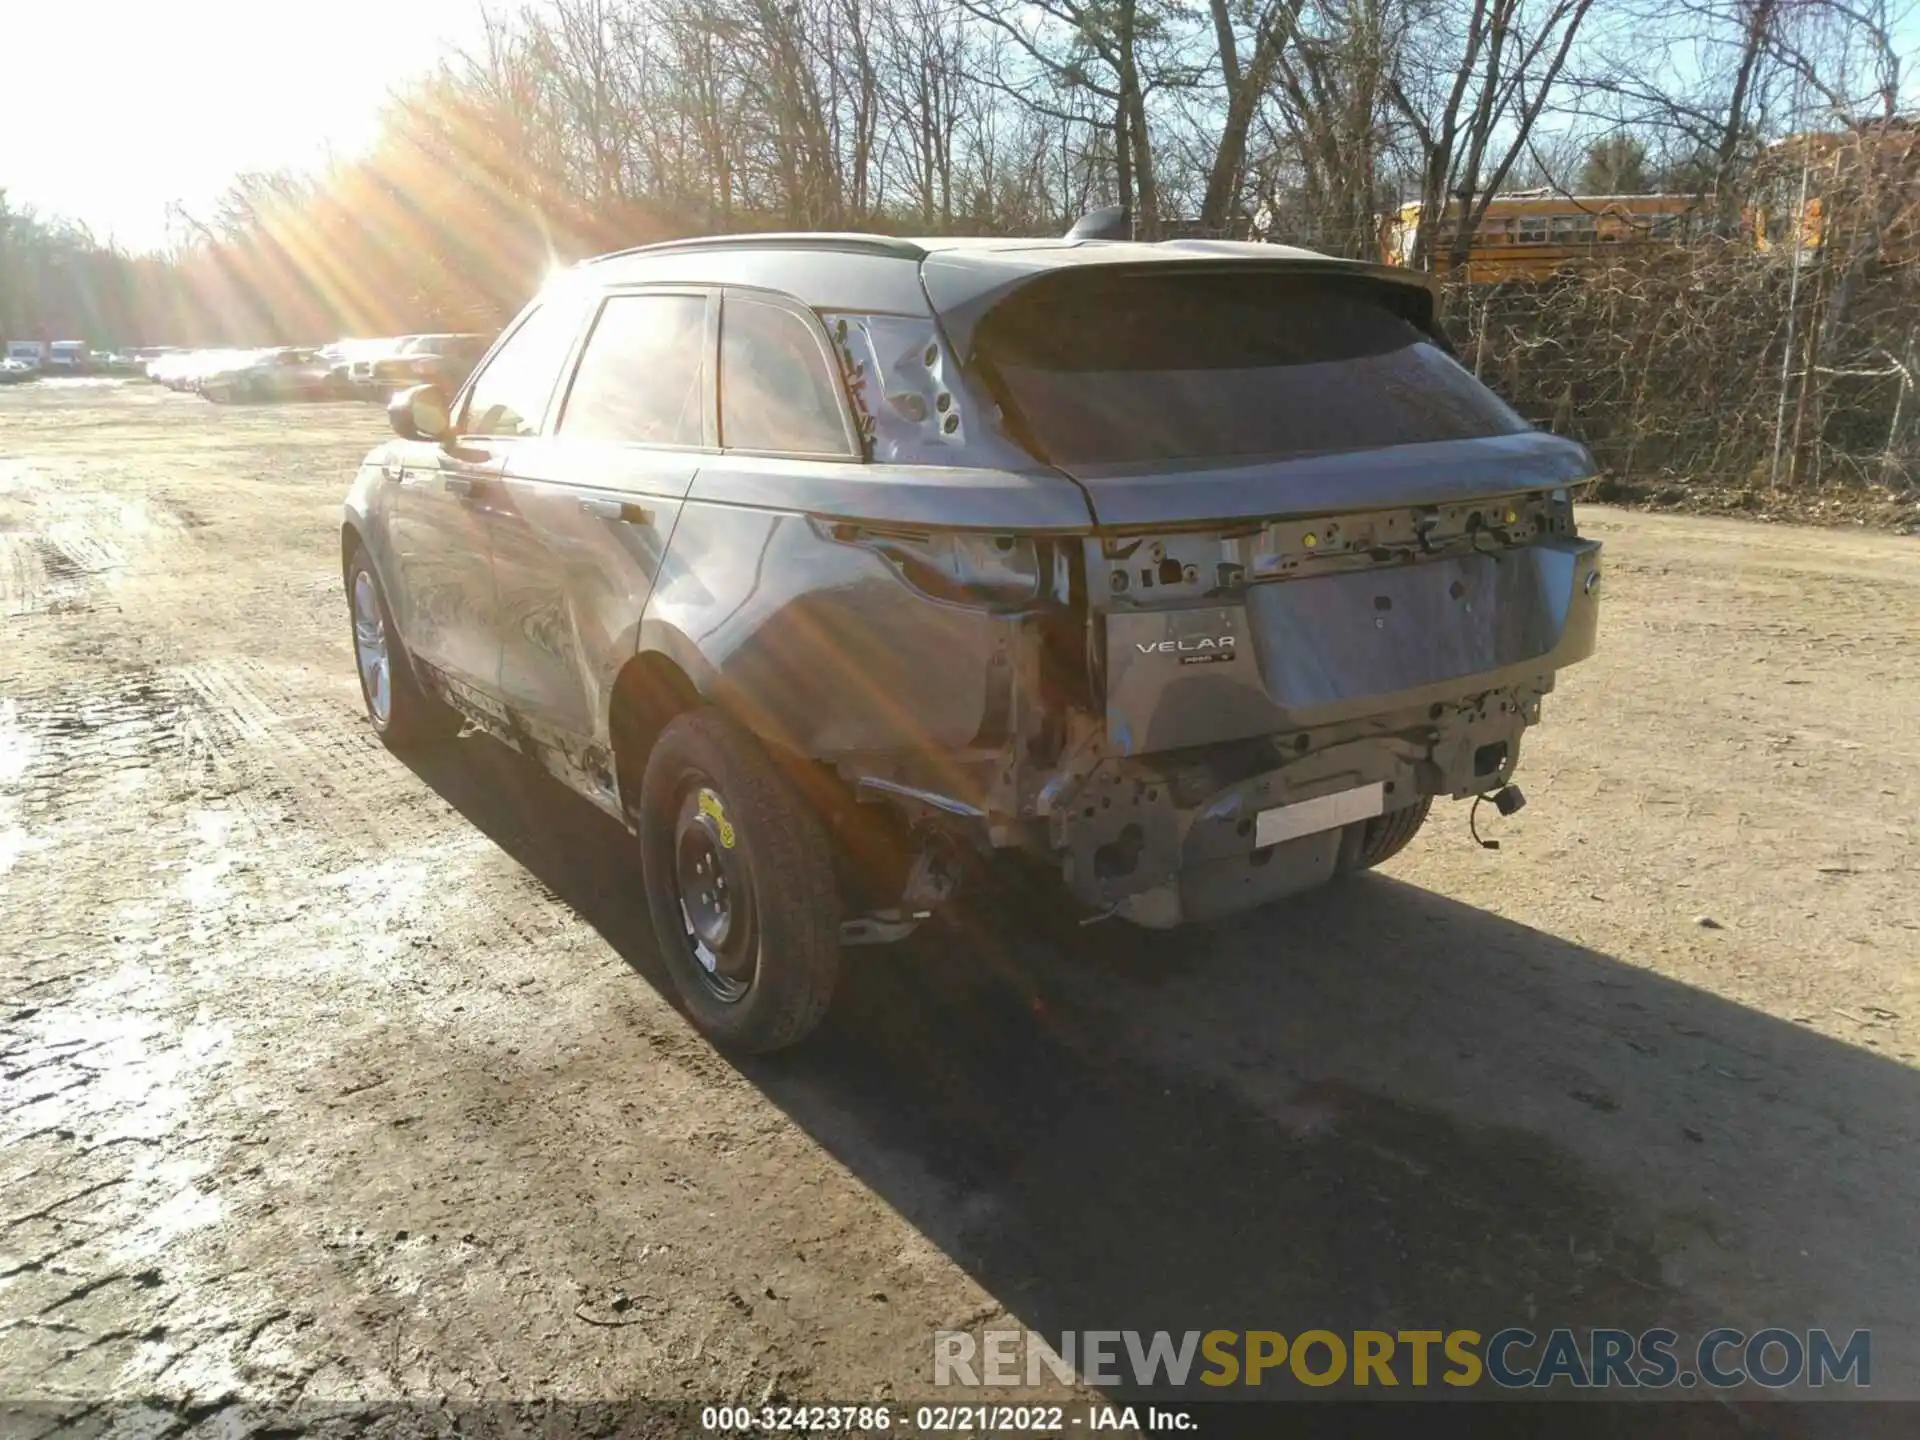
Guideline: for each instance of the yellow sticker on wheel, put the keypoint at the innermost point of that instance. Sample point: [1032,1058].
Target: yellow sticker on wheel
[711,807]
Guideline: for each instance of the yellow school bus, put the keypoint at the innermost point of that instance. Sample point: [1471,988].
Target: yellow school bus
[1840,173]
[1531,234]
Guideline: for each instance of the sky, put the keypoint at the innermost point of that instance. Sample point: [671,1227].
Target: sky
[109,109]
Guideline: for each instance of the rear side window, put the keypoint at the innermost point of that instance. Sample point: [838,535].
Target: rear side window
[509,397]
[1131,368]
[776,390]
[643,376]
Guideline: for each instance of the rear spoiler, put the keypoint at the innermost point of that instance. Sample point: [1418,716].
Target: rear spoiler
[964,290]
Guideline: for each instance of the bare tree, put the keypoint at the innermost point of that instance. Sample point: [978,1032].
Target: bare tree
[1472,101]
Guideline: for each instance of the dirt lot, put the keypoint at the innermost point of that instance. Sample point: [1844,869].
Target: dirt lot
[327,1077]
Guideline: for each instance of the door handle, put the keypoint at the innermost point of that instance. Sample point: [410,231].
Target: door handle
[623,511]
[457,484]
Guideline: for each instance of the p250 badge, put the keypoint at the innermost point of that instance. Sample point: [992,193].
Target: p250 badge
[1206,650]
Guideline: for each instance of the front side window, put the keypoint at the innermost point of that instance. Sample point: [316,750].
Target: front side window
[776,390]
[509,397]
[643,375]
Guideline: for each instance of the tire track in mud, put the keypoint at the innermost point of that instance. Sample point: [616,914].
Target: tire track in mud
[102,1164]
[291,754]
[187,829]
[123,1144]
[292,764]
[77,544]
[40,575]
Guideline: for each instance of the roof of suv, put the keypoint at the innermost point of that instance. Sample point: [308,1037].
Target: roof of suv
[1060,249]
[963,275]
[1026,252]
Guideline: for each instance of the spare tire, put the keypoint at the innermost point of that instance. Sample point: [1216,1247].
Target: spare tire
[739,877]
[1384,836]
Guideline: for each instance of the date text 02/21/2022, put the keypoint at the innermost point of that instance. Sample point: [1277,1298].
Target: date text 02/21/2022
[940,1419]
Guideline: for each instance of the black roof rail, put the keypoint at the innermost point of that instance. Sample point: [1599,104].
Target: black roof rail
[848,241]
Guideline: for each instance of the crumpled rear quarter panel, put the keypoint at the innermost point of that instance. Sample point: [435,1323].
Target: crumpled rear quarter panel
[817,645]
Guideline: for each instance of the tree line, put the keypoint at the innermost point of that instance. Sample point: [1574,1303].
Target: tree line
[569,127]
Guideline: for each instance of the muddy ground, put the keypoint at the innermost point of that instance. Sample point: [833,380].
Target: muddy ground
[329,1077]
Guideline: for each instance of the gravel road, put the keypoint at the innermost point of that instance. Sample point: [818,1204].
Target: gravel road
[329,1077]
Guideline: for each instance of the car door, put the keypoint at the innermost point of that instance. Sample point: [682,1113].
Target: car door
[443,595]
[589,508]
[448,604]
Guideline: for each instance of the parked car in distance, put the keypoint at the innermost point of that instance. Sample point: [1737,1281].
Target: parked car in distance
[443,360]
[68,357]
[168,369]
[838,566]
[147,357]
[284,373]
[360,372]
[206,365]
[28,352]
[16,372]
[172,370]
[343,355]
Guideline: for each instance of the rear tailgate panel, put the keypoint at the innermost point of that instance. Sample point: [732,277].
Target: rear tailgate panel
[1337,645]
[1325,648]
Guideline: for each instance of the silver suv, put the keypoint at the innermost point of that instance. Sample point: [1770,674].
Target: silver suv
[833,564]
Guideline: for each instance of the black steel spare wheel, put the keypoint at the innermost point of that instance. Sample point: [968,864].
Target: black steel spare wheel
[715,883]
[741,885]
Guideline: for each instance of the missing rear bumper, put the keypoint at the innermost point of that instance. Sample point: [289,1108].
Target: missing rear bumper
[1166,842]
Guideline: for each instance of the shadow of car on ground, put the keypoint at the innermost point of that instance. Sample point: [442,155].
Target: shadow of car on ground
[1370,1108]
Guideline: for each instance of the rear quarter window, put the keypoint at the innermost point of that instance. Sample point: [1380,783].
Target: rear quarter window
[1132,368]
[776,383]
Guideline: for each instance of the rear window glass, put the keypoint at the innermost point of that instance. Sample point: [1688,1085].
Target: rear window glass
[1123,369]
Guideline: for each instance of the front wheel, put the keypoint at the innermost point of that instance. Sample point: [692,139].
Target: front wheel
[403,712]
[740,882]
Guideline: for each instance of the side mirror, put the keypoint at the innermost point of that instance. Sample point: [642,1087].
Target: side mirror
[421,414]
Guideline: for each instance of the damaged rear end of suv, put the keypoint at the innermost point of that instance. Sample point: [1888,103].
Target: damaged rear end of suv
[1330,578]
[837,565]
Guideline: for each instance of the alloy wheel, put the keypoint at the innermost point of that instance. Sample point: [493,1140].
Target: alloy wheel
[370,647]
